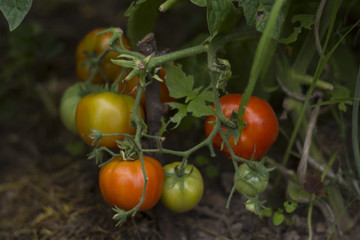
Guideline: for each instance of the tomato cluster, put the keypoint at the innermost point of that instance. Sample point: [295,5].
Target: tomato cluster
[103,118]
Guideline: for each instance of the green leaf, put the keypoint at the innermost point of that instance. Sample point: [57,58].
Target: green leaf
[297,193]
[142,15]
[290,206]
[278,218]
[181,113]
[200,3]
[222,16]
[305,20]
[179,84]
[15,11]
[257,13]
[198,108]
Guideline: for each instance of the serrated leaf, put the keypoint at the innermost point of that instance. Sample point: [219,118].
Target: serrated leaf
[257,13]
[222,16]
[305,20]
[179,84]
[200,3]
[15,11]
[199,108]
[142,15]
[181,113]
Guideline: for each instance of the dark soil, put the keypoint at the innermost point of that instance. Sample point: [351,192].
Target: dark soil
[49,189]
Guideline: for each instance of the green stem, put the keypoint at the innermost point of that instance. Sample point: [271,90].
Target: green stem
[187,153]
[309,216]
[307,79]
[191,51]
[127,52]
[355,122]
[167,5]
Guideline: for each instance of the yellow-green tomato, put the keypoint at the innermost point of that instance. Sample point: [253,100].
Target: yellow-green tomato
[107,112]
[182,191]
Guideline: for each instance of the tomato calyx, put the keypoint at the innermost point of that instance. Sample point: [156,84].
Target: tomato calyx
[179,174]
[254,205]
[258,168]
[117,36]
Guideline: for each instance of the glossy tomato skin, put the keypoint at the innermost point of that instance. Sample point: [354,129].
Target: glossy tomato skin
[122,183]
[107,112]
[253,180]
[180,194]
[259,133]
[130,87]
[98,43]
[69,101]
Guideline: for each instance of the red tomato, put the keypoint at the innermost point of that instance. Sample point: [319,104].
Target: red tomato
[259,133]
[122,183]
[97,43]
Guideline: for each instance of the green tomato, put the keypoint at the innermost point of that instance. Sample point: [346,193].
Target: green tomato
[69,101]
[253,179]
[182,193]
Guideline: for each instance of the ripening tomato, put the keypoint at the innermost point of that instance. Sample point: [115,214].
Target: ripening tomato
[97,43]
[260,131]
[122,183]
[107,112]
[182,193]
[130,88]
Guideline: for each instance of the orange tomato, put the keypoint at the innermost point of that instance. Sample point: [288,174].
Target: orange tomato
[97,43]
[122,183]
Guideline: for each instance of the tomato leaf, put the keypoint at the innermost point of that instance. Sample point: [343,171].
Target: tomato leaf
[179,84]
[257,13]
[181,113]
[142,15]
[305,20]
[15,11]
[222,16]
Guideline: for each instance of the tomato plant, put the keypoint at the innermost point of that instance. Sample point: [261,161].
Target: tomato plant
[97,43]
[130,87]
[69,101]
[108,113]
[182,190]
[122,182]
[260,130]
[253,178]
